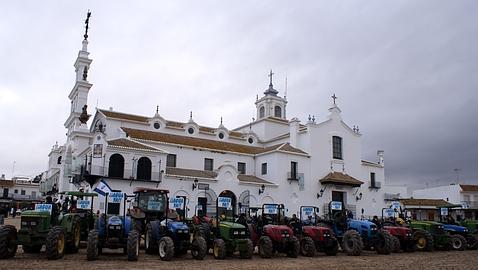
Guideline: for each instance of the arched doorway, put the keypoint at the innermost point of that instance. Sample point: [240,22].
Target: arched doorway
[206,203]
[143,171]
[228,212]
[116,166]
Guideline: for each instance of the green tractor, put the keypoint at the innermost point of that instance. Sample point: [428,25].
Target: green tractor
[43,225]
[429,235]
[223,234]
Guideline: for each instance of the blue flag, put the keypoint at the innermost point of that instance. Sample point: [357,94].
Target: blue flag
[102,188]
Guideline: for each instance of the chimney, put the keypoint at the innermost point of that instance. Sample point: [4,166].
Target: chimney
[380,157]
[294,130]
[3,177]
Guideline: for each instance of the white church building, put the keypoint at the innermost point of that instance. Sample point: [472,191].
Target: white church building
[274,159]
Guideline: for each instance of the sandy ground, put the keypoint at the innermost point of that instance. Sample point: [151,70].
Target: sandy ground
[370,260]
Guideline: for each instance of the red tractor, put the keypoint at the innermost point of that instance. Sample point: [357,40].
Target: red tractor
[270,236]
[311,236]
[402,236]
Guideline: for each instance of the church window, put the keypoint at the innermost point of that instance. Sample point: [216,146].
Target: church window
[191,130]
[293,170]
[241,167]
[144,169]
[208,164]
[337,147]
[261,112]
[58,161]
[372,179]
[250,140]
[171,160]
[278,111]
[264,168]
[221,135]
[116,166]
[22,192]
[156,125]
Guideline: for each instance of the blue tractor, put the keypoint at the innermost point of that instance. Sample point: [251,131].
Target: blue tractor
[113,230]
[461,237]
[163,229]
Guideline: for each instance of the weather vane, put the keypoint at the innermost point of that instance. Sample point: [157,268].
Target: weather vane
[87,22]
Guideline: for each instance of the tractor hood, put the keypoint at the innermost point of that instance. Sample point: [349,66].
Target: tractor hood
[364,224]
[175,225]
[454,228]
[31,213]
[425,222]
[231,225]
[115,220]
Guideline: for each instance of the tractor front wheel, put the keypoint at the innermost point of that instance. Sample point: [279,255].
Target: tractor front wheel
[332,248]
[166,248]
[199,248]
[133,245]
[247,252]
[265,247]
[92,250]
[8,241]
[385,243]
[55,243]
[307,247]
[294,247]
[150,243]
[458,242]
[219,249]
[352,243]
[396,244]
[73,244]
[424,240]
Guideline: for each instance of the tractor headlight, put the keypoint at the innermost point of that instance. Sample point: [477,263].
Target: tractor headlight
[440,227]
[33,223]
[465,230]
[24,223]
[236,233]
[243,232]
[374,228]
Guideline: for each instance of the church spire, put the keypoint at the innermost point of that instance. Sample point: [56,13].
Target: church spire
[271,90]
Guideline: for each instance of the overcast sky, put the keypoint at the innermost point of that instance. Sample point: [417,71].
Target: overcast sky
[406,72]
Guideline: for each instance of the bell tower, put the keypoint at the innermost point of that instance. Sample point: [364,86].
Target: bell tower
[271,105]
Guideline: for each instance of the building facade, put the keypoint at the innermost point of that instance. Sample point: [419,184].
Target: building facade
[272,159]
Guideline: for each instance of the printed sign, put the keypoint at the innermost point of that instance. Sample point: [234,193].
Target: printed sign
[97,150]
[308,211]
[83,204]
[389,212]
[271,209]
[116,197]
[444,211]
[176,203]
[301,183]
[224,202]
[154,205]
[336,205]
[43,207]
[395,205]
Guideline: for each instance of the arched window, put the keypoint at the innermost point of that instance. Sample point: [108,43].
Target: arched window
[116,167]
[143,171]
[58,160]
[278,111]
[261,112]
[337,147]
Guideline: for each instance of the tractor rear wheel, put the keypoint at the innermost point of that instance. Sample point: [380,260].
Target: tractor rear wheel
[166,248]
[55,243]
[332,248]
[74,238]
[458,242]
[150,243]
[352,243]
[472,242]
[396,245]
[32,248]
[247,253]
[199,248]
[8,241]
[307,247]
[265,247]
[92,249]
[133,245]
[294,247]
[424,240]
[385,243]
[219,249]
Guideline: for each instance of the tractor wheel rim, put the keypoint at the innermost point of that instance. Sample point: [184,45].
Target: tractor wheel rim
[61,244]
[216,251]
[456,244]
[194,248]
[146,240]
[162,247]
[77,236]
[421,243]
[137,248]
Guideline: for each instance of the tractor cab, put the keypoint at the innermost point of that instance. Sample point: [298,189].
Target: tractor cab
[402,235]
[148,204]
[79,205]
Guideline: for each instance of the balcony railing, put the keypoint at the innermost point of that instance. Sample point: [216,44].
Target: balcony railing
[127,174]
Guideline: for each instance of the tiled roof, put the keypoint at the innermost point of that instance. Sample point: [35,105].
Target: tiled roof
[190,173]
[371,163]
[288,148]
[252,179]
[127,143]
[469,187]
[124,116]
[174,124]
[426,202]
[338,178]
[6,183]
[207,129]
[235,134]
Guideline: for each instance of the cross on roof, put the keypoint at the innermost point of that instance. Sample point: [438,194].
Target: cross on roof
[270,76]
[87,24]
[334,97]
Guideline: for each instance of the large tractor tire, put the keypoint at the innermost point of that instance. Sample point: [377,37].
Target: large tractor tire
[8,241]
[307,247]
[472,242]
[92,249]
[150,242]
[55,243]
[199,248]
[384,245]
[219,249]
[458,242]
[396,245]
[294,247]
[132,245]
[248,251]
[333,248]
[166,248]
[352,243]
[424,240]
[73,243]
[32,248]
[265,247]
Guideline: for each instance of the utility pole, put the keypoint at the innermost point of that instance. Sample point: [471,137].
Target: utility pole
[457,171]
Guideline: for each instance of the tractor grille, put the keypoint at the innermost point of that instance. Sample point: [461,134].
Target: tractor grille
[114,231]
[29,223]
[238,234]
[285,234]
[182,234]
